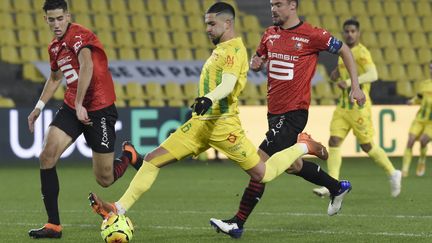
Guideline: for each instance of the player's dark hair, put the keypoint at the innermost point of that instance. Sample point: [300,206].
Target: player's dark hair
[221,7]
[352,22]
[55,4]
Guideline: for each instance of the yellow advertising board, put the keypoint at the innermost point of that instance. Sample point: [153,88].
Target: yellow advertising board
[391,125]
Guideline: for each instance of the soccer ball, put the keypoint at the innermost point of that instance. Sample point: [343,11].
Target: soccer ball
[117,229]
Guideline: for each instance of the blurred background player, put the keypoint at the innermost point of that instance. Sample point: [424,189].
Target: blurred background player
[290,51]
[349,116]
[421,127]
[215,122]
[88,109]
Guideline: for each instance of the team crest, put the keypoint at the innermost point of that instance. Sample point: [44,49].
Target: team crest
[232,138]
[298,46]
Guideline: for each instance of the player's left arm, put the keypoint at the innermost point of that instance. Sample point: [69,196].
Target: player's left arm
[84,79]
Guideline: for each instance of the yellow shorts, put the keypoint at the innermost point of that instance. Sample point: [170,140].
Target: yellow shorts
[359,120]
[224,134]
[421,127]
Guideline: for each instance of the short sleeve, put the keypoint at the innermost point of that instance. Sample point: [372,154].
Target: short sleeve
[82,38]
[322,40]
[53,61]
[233,60]
[365,59]
[262,48]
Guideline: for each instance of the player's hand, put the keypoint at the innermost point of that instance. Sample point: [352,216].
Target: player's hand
[357,95]
[32,118]
[201,105]
[335,75]
[257,63]
[342,84]
[81,113]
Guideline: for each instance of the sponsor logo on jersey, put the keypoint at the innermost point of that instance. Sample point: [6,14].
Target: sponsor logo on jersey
[55,49]
[280,56]
[64,60]
[301,39]
[272,38]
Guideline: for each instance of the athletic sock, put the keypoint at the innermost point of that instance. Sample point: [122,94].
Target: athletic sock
[141,182]
[313,173]
[407,159]
[334,162]
[251,196]
[119,167]
[381,158]
[50,190]
[422,158]
[128,155]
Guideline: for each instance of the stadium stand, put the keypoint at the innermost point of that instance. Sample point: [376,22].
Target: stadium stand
[398,33]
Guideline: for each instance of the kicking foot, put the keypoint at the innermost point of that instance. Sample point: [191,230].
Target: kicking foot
[230,228]
[136,158]
[314,147]
[104,209]
[335,204]
[47,231]
[321,192]
[421,169]
[395,183]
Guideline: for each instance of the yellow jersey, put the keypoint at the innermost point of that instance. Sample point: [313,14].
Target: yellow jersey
[228,57]
[425,111]
[363,60]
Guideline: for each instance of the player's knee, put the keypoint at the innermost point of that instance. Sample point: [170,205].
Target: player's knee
[47,159]
[366,147]
[104,181]
[295,167]
[424,140]
[334,141]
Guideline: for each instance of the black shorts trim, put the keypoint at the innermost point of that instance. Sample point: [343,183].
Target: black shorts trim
[283,130]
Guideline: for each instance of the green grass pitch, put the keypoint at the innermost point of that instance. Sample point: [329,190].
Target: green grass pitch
[187,194]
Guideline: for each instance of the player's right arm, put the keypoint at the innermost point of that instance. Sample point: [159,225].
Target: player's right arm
[260,57]
[48,91]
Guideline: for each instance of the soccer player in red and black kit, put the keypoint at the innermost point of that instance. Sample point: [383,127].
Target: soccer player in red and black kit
[77,54]
[290,49]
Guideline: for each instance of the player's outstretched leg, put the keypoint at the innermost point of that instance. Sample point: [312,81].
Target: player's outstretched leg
[229,227]
[104,209]
[135,159]
[47,231]
[336,199]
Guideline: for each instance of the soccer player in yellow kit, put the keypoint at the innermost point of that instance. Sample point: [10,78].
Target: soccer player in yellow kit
[421,127]
[349,116]
[215,122]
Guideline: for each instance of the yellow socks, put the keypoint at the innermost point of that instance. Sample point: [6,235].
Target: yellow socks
[142,181]
[334,162]
[381,158]
[406,160]
[281,161]
[422,158]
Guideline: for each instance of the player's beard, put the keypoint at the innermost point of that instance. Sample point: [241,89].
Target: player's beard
[216,40]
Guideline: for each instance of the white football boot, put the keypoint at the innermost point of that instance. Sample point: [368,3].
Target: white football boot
[395,183]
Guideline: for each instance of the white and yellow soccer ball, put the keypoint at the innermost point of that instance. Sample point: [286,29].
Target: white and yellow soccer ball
[117,229]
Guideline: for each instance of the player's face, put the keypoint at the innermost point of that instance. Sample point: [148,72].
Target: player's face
[216,27]
[58,21]
[281,11]
[351,34]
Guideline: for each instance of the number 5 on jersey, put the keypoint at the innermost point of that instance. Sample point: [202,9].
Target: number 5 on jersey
[281,70]
[69,72]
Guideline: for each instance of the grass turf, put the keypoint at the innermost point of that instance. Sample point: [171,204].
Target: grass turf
[187,194]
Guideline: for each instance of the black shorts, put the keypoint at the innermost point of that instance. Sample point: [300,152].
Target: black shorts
[100,136]
[283,130]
